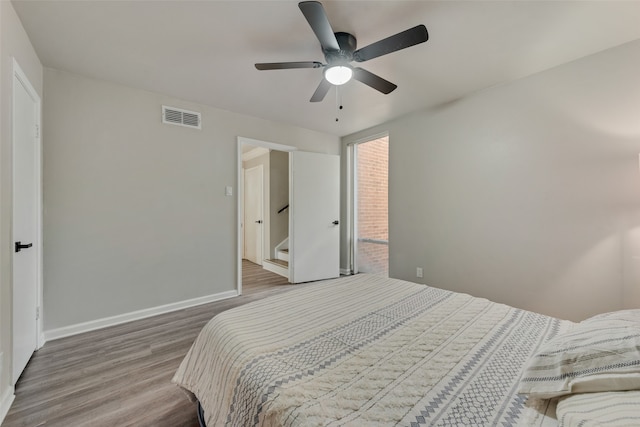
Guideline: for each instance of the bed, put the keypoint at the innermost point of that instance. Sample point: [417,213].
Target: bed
[371,351]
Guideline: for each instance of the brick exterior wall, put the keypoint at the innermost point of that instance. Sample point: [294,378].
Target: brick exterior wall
[373,205]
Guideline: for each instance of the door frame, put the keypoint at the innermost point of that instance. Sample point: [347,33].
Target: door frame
[20,78]
[352,197]
[242,141]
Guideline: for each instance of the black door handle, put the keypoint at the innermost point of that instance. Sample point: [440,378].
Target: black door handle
[336,222]
[259,221]
[20,246]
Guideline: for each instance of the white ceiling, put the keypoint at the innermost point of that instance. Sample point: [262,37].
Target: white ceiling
[204,51]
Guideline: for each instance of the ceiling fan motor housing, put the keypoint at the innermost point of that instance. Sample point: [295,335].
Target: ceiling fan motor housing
[347,43]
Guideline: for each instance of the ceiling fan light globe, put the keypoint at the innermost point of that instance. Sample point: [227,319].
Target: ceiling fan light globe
[338,74]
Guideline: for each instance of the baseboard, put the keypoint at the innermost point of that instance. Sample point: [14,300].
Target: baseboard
[5,403]
[93,325]
[41,340]
[345,272]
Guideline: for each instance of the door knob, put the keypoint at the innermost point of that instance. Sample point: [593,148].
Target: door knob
[259,221]
[336,222]
[20,246]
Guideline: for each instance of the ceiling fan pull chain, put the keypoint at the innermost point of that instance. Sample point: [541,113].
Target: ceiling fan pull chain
[337,101]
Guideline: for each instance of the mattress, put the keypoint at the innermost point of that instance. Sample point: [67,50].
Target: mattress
[367,350]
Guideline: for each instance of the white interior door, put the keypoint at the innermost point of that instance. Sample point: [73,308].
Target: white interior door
[314,212]
[26,223]
[253,206]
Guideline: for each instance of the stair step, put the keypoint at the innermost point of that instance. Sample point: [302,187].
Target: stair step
[278,261]
[283,254]
[277,266]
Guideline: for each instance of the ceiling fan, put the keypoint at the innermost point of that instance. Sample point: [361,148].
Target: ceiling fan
[340,49]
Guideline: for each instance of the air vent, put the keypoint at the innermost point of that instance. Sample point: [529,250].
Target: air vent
[177,116]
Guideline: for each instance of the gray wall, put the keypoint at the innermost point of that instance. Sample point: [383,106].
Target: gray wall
[279,195]
[135,211]
[14,43]
[526,193]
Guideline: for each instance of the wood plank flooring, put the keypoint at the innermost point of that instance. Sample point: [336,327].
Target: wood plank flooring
[121,376]
[257,279]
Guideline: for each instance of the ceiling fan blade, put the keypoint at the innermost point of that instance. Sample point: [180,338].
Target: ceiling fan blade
[407,38]
[288,65]
[317,18]
[321,91]
[374,81]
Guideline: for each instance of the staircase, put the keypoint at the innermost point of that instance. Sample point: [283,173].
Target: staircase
[283,255]
[279,265]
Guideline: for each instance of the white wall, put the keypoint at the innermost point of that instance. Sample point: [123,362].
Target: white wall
[135,211]
[526,193]
[14,43]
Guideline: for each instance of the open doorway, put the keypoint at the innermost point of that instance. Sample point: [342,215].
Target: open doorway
[308,247]
[263,219]
[370,234]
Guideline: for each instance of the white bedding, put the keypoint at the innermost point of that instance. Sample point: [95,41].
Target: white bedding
[366,350]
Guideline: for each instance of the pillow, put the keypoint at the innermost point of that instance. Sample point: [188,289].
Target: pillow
[601,353]
[616,408]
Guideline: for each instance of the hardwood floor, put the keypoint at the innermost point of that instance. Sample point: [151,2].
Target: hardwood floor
[257,279]
[121,376]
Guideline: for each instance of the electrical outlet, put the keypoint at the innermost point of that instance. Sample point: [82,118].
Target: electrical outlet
[419,272]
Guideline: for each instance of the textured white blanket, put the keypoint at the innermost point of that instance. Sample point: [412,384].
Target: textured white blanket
[364,350]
